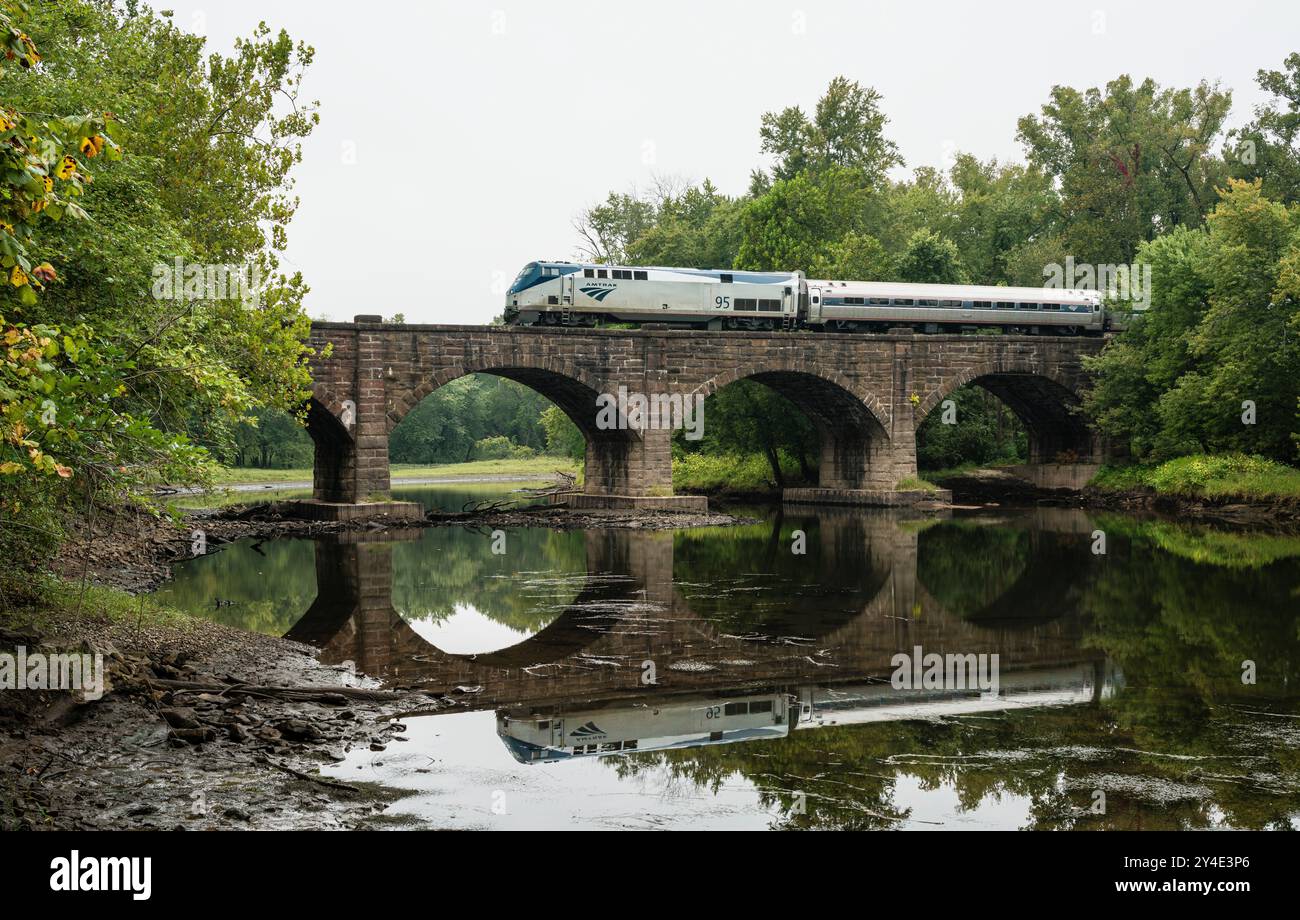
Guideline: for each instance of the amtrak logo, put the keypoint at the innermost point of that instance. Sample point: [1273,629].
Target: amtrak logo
[597,294]
[587,731]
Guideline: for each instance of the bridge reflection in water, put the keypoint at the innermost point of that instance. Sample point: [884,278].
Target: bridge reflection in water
[664,645]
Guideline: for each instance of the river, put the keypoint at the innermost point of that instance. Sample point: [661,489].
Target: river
[1119,672]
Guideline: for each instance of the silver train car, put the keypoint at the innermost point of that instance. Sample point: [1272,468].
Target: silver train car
[876,306]
[577,294]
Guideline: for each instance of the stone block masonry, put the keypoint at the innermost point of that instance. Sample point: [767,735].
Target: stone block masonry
[866,394]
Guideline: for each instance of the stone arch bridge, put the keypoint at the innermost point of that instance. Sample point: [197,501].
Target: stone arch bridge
[866,395]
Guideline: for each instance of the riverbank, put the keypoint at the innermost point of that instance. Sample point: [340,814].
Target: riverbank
[532,468]
[200,726]
[1217,489]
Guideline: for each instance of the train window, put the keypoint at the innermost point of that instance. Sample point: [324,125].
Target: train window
[760,706]
[600,273]
[639,276]
[542,726]
[746,304]
[927,303]
[620,274]
[629,745]
[983,304]
[769,306]
[853,301]
[950,303]
[1096,308]
[902,301]
[735,709]
[588,273]
[725,279]
[878,301]
[552,299]
[1029,306]
[1006,305]
[1051,306]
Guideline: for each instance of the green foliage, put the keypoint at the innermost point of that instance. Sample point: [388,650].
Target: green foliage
[1267,148]
[985,432]
[712,474]
[480,412]
[930,259]
[847,131]
[748,419]
[1131,160]
[271,439]
[1223,330]
[563,438]
[1224,476]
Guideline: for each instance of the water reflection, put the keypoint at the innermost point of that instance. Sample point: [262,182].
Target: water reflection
[754,682]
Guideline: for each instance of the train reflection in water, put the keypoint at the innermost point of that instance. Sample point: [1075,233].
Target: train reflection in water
[688,721]
[549,734]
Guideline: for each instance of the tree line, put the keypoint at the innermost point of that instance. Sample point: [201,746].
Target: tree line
[128,144]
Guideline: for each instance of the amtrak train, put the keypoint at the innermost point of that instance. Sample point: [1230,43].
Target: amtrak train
[579,294]
[621,727]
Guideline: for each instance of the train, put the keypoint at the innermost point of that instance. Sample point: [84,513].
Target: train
[590,294]
[549,735]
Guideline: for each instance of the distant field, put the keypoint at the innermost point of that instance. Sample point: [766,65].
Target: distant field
[532,468]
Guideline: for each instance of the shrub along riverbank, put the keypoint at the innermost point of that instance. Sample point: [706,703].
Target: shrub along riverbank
[1206,476]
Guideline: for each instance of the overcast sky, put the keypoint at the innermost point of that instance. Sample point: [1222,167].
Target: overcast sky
[459,139]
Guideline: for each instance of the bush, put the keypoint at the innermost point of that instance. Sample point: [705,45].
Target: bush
[498,447]
[1208,476]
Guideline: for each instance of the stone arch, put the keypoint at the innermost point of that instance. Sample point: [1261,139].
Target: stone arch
[854,425]
[615,458]
[335,457]
[1046,402]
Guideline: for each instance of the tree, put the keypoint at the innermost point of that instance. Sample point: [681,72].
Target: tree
[101,381]
[847,131]
[608,228]
[563,438]
[931,259]
[1269,147]
[1132,161]
[1222,332]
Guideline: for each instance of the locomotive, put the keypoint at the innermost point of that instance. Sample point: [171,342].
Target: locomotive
[588,294]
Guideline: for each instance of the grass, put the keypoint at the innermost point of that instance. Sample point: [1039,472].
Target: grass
[1214,476]
[915,484]
[46,603]
[532,467]
[962,468]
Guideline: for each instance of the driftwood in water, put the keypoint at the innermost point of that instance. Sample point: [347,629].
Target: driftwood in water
[484,509]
